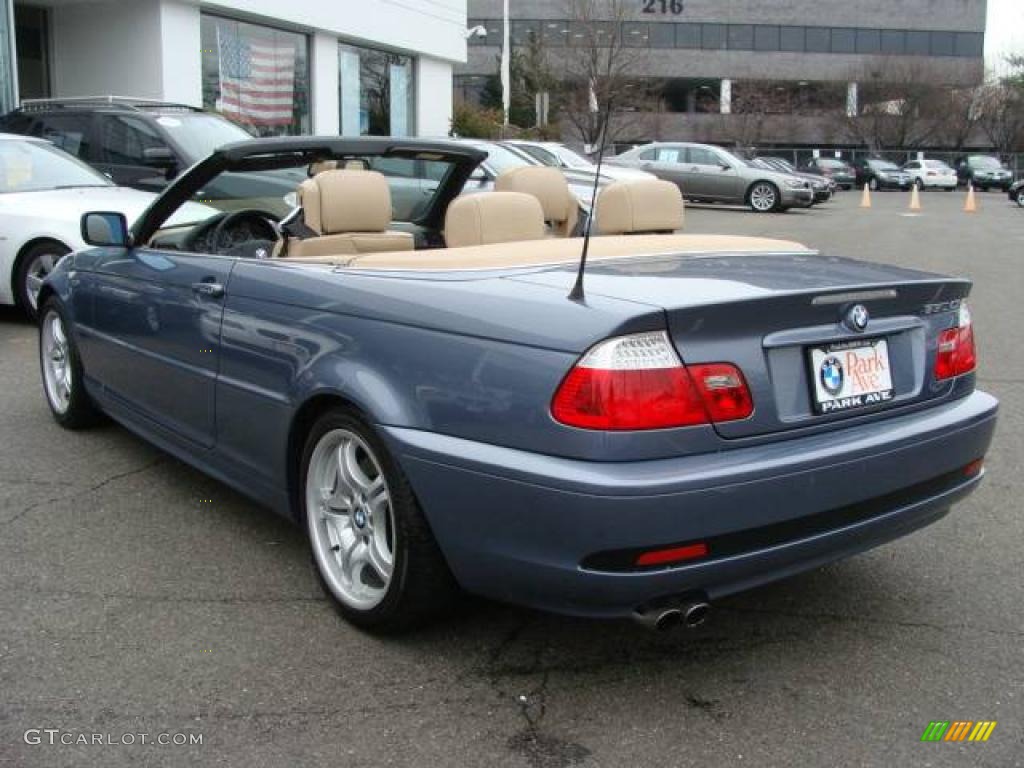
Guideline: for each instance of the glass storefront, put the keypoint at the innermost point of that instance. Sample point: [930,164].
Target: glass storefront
[6,58]
[256,76]
[376,92]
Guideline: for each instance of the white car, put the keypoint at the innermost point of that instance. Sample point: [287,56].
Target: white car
[931,173]
[553,153]
[43,193]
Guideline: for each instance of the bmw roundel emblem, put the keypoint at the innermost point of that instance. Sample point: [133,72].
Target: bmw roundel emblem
[832,375]
[857,318]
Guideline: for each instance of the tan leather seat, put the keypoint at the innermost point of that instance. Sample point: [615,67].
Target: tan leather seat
[548,185]
[639,206]
[493,217]
[350,212]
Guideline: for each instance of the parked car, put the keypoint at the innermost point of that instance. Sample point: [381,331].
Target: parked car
[561,156]
[1016,193]
[711,174]
[444,417]
[930,173]
[832,168]
[876,173]
[823,186]
[43,194]
[984,172]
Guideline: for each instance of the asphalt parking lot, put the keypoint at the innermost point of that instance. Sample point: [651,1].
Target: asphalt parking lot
[139,596]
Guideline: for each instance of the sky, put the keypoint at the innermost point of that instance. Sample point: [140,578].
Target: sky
[1004,32]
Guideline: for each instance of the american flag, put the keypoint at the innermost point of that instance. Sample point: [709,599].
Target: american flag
[257,78]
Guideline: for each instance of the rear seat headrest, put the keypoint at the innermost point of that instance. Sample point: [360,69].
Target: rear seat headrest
[550,188]
[338,201]
[493,217]
[639,205]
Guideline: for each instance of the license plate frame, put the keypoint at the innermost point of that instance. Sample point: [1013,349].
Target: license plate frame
[858,376]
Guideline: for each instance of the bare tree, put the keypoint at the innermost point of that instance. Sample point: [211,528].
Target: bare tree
[966,108]
[1002,110]
[602,71]
[903,104]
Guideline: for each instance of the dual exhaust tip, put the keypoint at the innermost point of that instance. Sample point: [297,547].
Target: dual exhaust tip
[683,614]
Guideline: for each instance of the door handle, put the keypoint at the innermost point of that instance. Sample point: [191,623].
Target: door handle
[213,290]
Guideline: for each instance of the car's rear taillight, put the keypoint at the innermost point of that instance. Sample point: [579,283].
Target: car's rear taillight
[956,354]
[638,382]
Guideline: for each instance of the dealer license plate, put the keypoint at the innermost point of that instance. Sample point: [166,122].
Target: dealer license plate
[851,375]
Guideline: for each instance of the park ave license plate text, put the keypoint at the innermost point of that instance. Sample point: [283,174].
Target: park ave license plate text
[851,375]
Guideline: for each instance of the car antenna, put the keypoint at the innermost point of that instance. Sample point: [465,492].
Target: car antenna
[576,294]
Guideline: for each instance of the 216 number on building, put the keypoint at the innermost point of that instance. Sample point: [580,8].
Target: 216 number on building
[675,7]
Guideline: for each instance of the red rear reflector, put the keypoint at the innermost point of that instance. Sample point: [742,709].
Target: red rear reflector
[974,467]
[956,354]
[673,555]
[724,390]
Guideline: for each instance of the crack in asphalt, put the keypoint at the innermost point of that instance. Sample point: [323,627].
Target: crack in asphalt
[84,490]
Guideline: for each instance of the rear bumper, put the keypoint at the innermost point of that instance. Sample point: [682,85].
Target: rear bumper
[516,526]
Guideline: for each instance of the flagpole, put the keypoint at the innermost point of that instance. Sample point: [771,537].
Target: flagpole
[506,65]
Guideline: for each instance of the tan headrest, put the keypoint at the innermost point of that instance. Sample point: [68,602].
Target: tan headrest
[493,217]
[346,201]
[639,205]
[547,184]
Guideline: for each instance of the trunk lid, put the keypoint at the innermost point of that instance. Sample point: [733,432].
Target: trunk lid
[767,313]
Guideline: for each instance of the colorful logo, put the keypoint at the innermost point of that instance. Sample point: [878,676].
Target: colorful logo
[958,730]
[832,375]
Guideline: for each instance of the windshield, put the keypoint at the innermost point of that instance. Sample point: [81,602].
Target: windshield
[199,134]
[539,154]
[500,159]
[883,165]
[34,166]
[572,159]
[828,162]
[984,161]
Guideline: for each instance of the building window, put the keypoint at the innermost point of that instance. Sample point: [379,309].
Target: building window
[942,44]
[766,38]
[969,44]
[741,37]
[687,35]
[869,41]
[524,33]
[636,34]
[918,43]
[894,42]
[791,39]
[256,76]
[819,40]
[844,40]
[376,92]
[555,33]
[713,36]
[663,35]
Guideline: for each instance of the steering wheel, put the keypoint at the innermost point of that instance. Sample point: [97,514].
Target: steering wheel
[262,218]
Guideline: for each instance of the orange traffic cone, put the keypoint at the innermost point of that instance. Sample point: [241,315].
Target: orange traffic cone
[971,205]
[915,199]
[865,199]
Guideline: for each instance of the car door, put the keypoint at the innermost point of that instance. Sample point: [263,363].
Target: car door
[666,163]
[156,324]
[710,177]
[122,142]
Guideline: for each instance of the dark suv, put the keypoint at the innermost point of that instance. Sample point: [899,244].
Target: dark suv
[137,143]
[984,172]
[831,168]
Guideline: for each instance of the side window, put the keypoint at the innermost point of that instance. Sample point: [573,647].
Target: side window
[701,156]
[648,154]
[124,140]
[669,155]
[69,132]
[912,166]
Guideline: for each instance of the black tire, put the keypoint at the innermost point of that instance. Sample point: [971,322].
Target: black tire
[950,189]
[421,587]
[29,263]
[919,183]
[873,184]
[81,412]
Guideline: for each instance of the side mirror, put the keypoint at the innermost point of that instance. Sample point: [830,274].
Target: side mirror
[725,166]
[159,157]
[105,229]
[479,175]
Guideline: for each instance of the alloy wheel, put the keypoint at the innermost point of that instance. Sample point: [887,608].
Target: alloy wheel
[38,268]
[763,198]
[351,523]
[56,362]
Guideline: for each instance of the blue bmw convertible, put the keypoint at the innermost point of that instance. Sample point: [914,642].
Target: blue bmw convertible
[409,374]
